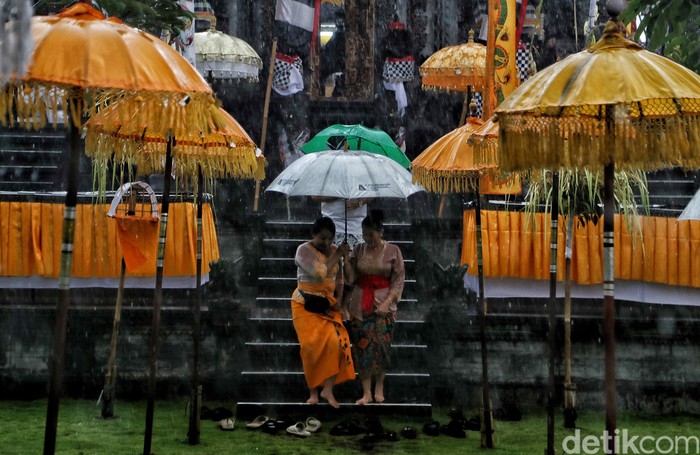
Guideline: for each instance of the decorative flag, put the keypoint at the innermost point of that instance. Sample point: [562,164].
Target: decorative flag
[501,54]
[294,24]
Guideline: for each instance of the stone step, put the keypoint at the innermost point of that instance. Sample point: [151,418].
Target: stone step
[279,306]
[283,266]
[269,329]
[284,355]
[290,386]
[300,411]
[285,285]
[287,247]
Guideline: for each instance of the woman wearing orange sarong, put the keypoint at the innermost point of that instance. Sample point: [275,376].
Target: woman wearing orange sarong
[325,344]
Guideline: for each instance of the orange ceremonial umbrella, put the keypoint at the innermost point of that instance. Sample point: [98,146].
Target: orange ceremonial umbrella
[227,152]
[611,104]
[456,68]
[80,63]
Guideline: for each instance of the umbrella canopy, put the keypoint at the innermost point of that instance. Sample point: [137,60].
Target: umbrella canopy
[614,102]
[223,56]
[80,55]
[226,152]
[456,68]
[692,210]
[448,165]
[346,174]
[357,137]
[485,142]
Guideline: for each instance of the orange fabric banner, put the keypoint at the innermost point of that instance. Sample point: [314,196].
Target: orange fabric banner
[30,241]
[501,77]
[517,245]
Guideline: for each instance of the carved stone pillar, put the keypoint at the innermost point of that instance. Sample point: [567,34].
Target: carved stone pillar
[359,49]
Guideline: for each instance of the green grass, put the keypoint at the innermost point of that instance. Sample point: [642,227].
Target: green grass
[81,432]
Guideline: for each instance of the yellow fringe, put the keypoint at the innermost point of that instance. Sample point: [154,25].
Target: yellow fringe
[528,141]
[27,103]
[443,182]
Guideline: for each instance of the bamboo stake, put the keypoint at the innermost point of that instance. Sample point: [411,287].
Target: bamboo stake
[569,387]
[552,312]
[266,109]
[110,376]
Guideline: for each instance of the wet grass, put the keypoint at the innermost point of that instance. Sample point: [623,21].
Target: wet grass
[82,432]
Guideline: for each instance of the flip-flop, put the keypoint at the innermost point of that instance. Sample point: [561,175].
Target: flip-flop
[227,424]
[257,423]
[298,429]
[312,425]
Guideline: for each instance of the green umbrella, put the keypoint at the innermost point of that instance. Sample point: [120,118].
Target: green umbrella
[358,137]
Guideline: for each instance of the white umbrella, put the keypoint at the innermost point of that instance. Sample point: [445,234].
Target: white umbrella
[692,210]
[345,174]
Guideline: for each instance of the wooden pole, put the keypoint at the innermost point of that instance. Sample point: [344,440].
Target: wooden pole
[194,422]
[552,312]
[110,376]
[158,298]
[486,415]
[609,307]
[266,109]
[58,354]
[465,106]
[569,387]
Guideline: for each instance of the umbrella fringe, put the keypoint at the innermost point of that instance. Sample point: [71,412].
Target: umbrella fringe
[26,103]
[217,160]
[443,182]
[643,143]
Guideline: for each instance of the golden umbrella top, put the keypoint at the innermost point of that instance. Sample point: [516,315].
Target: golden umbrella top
[448,165]
[456,68]
[225,152]
[485,142]
[105,61]
[613,102]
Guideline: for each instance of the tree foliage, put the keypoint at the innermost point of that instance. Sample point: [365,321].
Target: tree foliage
[153,16]
[671,27]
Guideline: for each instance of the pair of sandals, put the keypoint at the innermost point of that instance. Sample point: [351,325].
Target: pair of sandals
[270,425]
[305,429]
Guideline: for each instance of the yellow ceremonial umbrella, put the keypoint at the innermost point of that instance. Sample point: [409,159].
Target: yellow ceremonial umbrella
[611,104]
[80,63]
[456,68]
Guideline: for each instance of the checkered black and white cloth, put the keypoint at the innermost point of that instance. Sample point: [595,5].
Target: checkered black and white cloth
[523,62]
[282,73]
[479,99]
[399,69]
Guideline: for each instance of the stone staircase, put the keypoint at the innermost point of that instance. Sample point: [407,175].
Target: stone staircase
[274,383]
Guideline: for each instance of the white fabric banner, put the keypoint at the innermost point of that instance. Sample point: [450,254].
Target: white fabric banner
[297,13]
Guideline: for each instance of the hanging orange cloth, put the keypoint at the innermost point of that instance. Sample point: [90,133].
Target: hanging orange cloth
[138,238]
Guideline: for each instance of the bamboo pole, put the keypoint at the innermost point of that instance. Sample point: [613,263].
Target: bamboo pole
[158,298]
[552,313]
[110,376]
[569,387]
[194,430]
[486,414]
[58,353]
[266,110]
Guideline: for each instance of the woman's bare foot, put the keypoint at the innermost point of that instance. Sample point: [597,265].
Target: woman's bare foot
[364,400]
[328,396]
[379,397]
[313,397]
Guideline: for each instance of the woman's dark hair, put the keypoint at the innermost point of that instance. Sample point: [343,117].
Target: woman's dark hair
[375,220]
[323,223]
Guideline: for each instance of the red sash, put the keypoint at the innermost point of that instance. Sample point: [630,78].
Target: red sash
[369,283]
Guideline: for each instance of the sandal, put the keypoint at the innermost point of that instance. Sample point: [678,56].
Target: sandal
[257,423]
[227,424]
[298,429]
[312,425]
